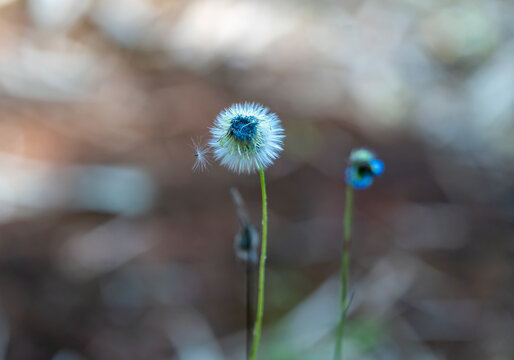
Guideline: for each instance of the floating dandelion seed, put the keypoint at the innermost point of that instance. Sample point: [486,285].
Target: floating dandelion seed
[200,154]
[363,167]
[246,137]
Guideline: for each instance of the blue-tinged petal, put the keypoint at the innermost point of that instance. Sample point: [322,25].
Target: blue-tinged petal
[357,181]
[363,182]
[377,166]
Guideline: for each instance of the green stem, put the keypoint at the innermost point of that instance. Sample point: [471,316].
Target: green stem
[345,271]
[260,298]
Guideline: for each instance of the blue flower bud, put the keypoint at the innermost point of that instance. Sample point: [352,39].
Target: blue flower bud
[363,167]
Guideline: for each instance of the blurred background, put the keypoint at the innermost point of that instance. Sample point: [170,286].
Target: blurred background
[111,247]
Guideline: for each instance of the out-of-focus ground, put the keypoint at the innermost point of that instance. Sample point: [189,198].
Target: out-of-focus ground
[112,248]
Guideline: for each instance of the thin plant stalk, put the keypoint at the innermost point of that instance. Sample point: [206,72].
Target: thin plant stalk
[345,271]
[260,295]
[248,306]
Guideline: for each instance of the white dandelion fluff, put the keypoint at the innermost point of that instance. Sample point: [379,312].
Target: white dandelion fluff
[200,154]
[246,137]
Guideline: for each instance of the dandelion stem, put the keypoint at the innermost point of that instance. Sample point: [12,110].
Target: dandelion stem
[249,307]
[260,298]
[345,271]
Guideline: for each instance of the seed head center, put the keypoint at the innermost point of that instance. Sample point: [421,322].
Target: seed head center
[243,128]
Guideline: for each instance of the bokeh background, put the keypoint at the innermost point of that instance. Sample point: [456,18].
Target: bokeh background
[112,248]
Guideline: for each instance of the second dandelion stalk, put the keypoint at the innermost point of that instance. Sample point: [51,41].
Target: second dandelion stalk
[362,169]
[345,271]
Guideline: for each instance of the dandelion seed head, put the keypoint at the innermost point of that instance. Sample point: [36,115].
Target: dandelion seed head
[246,137]
[363,168]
